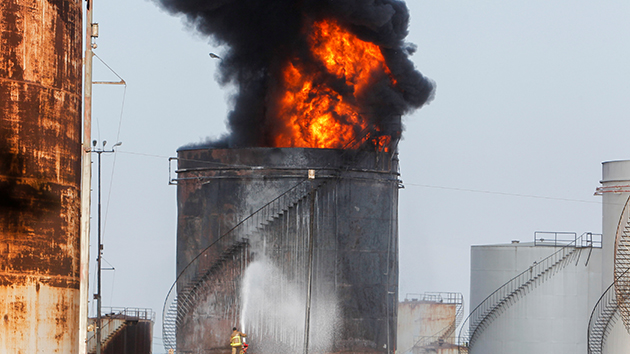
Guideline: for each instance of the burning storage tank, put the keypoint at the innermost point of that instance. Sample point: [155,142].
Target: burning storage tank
[40,129]
[287,241]
[288,223]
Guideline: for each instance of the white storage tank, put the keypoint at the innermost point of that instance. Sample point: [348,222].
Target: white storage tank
[615,190]
[534,297]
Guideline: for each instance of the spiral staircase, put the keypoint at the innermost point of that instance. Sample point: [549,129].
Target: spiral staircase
[614,304]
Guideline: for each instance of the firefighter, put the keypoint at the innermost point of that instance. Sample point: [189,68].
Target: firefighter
[236,341]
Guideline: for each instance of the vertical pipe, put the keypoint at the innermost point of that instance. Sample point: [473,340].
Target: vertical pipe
[86,183]
[615,175]
[309,285]
[98,269]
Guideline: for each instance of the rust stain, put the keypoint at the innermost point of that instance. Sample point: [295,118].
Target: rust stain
[40,133]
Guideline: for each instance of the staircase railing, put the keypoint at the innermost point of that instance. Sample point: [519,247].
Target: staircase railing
[113,320]
[195,278]
[449,331]
[129,313]
[482,315]
[459,315]
[109,326]
[604,315]
[446,333]
[622,263]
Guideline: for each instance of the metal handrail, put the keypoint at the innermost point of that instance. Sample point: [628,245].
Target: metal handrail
[479,316]
[110,314]
[456,299]
[556,239]
[190,275]
[604,314]
[622,263]
[129,312]
[171,312]
[441,297]
[107,327]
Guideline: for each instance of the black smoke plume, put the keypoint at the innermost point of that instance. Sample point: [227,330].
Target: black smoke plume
[261,35]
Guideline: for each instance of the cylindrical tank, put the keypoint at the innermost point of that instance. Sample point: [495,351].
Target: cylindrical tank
[350,208]
[551,314]
[615,192]
[427,323]
[40,130]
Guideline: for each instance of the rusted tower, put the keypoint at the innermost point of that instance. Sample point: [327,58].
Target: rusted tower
[40,133]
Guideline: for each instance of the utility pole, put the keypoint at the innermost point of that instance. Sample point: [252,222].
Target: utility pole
[99,257]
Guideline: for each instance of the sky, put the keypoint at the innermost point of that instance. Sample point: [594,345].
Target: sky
[532,96]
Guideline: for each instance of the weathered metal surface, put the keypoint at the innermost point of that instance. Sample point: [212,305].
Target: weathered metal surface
[421,325]
[40,101]
[125,331]
[135,338]
[355,242]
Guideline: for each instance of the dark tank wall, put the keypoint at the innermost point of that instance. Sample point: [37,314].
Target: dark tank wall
[135,337]
[350,210]
[40,129]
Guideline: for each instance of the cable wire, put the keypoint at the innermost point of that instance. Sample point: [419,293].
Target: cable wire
[502,193]
[122,107]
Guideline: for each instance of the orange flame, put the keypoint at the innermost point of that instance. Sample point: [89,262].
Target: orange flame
[315,114]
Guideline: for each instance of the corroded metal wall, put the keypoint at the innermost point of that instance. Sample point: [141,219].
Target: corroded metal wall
[40,129]
[134,338]
[355,239]
[421,324]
